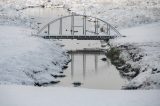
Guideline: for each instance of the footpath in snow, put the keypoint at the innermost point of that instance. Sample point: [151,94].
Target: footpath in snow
[53,96]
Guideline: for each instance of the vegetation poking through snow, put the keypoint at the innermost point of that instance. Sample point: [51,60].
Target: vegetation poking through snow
[125,69]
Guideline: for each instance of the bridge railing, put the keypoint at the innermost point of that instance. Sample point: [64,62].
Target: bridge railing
[80,25]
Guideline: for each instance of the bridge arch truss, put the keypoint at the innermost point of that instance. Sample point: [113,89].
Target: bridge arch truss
[81,27]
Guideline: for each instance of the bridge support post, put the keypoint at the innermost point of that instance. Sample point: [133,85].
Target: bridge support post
[84,25]
[60,27]
[84,66]
[108,29]
[96,62]
[72,65]
[72,24]
[49,30]
[96,26]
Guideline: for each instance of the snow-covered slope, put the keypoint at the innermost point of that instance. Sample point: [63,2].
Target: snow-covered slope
[143,41]
[27,60]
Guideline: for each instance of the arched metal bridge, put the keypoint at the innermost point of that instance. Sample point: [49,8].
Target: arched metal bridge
[80,27]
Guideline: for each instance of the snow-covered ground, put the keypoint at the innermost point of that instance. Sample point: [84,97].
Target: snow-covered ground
[57,96]
[120,13]
[26,59]
[146,40]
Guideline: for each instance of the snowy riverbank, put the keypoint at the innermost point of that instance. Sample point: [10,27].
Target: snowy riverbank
[25,59]
[28,60]
[141,49]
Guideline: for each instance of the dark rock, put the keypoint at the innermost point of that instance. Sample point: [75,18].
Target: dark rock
[37,84]
[132,87]
[54,82]
[154,69]
[61,72]
[64,67]
[77,84]
[62,45]
[155,83]
[55,63]
[36,72]
[124,46]
[43,6]
[58,76]
[68,9]
[104,59]
[158,71]
[45,83]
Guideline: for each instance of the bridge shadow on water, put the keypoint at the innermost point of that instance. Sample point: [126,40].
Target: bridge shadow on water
[84,53]
[91,69]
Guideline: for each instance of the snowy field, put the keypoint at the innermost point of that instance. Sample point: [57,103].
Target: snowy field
[53,96]
[120,13]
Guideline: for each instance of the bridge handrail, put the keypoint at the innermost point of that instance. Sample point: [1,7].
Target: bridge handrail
[51,22]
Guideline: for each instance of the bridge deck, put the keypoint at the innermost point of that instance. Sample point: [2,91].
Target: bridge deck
[87,51]
[80,37]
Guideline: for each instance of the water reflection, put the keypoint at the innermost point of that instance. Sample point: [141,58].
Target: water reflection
[84,61]
[88,70]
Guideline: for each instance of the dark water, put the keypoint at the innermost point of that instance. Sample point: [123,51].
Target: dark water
[90,71]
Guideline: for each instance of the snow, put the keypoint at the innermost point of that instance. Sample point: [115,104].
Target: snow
[119,13]
[59,96]
[145,39]
[26,59]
